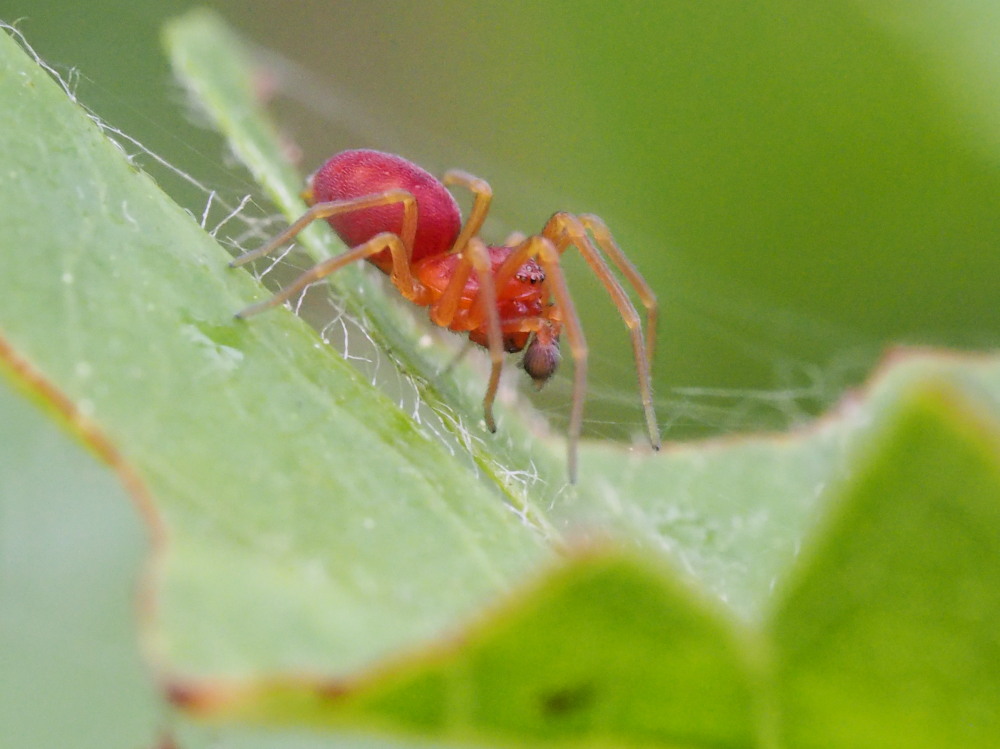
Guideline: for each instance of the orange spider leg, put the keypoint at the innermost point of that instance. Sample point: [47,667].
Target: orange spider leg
[414,290]
[520,253]
[563,314]
[444,309]
[475,257]
[566,230]
[483,193]
[610,248]
[335,207]
[514,238]
[555,280]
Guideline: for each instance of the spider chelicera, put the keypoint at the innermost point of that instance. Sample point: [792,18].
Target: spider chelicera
[508,297]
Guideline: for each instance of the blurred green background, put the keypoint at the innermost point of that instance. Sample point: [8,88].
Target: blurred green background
[804,184]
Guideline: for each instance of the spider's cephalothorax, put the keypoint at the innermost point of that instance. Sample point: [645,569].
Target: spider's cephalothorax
[507,298]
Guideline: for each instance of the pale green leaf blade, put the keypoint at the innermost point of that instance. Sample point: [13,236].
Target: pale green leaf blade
[70,545]
[886,635]
[307,525]
[734,512]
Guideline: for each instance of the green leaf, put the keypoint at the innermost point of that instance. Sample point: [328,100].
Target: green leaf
[588,654]
[606,650]
[887,635]
[734,511]
[69,548]
[299,515]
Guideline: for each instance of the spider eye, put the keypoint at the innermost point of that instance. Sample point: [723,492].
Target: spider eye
[531,273]
[541,358]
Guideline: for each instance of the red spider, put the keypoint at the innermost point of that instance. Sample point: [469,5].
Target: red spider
[507,297]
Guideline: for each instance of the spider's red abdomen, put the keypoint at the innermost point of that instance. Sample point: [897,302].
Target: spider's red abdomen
[352,174]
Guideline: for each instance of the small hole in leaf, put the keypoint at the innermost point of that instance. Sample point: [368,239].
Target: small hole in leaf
[567,700]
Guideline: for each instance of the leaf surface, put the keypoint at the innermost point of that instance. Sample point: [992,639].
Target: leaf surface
[271,465]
